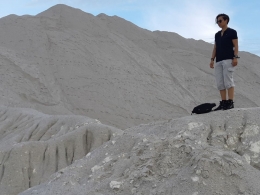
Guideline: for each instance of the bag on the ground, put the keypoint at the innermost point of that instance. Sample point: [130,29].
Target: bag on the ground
[203,108]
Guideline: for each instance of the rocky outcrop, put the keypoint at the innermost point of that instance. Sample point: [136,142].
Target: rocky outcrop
[33,145]
[215,153]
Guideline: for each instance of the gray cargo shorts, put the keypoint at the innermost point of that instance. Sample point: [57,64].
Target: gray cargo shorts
[224,74]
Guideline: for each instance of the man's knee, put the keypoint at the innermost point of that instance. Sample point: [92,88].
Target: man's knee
[228,86]
[229,83]
[221,87]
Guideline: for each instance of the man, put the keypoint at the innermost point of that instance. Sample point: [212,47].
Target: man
[226,53]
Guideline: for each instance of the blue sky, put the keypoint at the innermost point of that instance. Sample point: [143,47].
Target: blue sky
[189,18]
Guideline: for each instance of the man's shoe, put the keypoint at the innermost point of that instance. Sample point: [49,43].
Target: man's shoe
[229,105]
[222,105]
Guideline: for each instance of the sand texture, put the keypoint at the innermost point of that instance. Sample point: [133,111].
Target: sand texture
[65,61]
[33,145]
[99,106]
[209,154]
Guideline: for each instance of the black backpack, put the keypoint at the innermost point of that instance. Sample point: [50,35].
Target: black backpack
[203,108]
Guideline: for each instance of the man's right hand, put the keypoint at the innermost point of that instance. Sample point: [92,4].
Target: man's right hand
[211,64]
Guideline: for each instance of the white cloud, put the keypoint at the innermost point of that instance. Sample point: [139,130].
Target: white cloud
[191,19]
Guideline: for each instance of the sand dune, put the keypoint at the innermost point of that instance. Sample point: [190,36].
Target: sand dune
[65,61]
[97,105]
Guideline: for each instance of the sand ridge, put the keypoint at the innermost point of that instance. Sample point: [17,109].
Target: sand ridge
[65,61]
[97,105]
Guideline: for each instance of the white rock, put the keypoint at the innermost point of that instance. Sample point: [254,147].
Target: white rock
[95,168]
[115,184]
[195,178]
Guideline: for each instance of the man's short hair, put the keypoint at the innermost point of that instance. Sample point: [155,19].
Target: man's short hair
[224,16]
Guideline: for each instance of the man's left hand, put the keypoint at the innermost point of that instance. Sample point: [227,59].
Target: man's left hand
[234,62]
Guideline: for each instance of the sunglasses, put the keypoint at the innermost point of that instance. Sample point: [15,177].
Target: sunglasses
[219,21]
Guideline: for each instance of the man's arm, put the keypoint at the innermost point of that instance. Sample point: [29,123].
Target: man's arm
[214,52]
[235,44]
[213,57]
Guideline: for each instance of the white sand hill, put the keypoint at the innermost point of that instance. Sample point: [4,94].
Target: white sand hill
[65,61]
[98,80]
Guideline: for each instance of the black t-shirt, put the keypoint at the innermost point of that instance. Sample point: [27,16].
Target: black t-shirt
[224,44]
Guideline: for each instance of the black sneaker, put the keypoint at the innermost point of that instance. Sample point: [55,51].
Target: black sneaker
[222,105]
[229,105]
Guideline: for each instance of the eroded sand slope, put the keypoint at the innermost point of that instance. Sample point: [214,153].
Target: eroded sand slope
[216,153]
[34,145]
[96,105]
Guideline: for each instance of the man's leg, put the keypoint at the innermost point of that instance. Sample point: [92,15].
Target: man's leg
[222,103]
[228,70]
[231,93]
[230,102]
[223,94]
[220,84]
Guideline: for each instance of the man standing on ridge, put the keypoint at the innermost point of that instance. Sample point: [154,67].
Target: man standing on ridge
[226,53]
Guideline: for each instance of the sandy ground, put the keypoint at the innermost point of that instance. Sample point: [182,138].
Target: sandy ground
[76,91]
[215,153]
